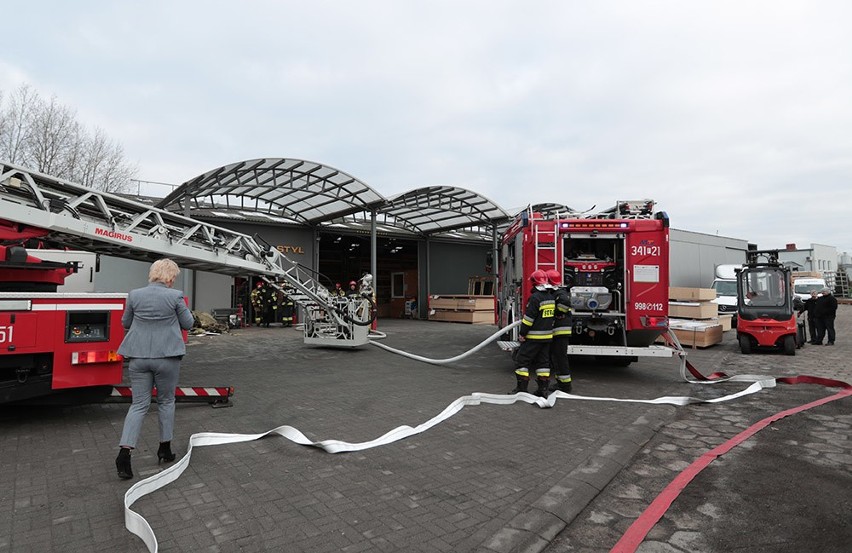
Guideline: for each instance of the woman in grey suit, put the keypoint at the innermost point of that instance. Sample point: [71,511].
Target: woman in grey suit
[153,319]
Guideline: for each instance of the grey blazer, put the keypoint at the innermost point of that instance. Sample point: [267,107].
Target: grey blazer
[153,318]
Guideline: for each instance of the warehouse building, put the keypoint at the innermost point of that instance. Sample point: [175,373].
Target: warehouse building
[431,240]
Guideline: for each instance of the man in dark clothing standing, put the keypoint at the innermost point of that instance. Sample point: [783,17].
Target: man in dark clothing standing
[825,311]
[536,333]
[809,307]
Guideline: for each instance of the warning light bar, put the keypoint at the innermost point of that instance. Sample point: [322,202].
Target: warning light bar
[86,357]
[595,225]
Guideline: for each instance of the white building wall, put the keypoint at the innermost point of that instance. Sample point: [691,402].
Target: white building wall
[123,275]
[212,291]
[818,258]
[694,256]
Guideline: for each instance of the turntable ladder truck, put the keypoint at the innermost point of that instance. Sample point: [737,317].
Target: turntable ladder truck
[34,205]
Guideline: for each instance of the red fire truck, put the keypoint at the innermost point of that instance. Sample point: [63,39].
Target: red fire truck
[615,265]
[49,340]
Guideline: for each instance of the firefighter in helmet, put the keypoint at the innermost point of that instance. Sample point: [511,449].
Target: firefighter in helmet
[561,332]
[353,289]
[257,303]
[536,334]
[286,309]
[262,300]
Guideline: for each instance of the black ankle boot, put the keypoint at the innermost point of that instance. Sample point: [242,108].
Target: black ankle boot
[122,463]
[164,454]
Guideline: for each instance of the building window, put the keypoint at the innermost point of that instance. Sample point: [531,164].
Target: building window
[397,285]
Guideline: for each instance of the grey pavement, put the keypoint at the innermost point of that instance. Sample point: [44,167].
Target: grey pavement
[786,489]
[489,479]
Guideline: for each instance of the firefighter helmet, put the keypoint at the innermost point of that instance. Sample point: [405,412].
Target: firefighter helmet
[553,277]
[538,278]
[353,283]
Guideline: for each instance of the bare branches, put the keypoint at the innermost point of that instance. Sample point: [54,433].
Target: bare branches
[45,135]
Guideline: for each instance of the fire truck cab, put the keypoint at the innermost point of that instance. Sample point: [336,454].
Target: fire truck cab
[614,264]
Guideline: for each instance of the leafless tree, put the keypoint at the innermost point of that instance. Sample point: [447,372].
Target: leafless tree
[45,136]
[52,133]
[100,164]
[18,117]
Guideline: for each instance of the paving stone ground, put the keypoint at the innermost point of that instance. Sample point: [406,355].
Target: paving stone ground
[786,489]
[491,478]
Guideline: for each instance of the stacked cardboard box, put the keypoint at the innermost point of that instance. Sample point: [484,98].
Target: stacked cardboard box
[806,274]
[693,317]
[697,334]
[462,309]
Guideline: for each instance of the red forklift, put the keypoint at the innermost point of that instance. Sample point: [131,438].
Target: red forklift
[767,305]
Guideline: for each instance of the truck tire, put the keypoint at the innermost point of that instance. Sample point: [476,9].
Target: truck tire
[789,345]
[745,343]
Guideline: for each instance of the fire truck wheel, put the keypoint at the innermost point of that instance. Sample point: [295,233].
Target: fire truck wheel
[789,345]
[745,344]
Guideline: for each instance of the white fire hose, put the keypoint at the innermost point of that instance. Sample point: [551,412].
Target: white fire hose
[136,523]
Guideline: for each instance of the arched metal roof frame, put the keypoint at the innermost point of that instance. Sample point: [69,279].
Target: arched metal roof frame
[435,209]
[304,191]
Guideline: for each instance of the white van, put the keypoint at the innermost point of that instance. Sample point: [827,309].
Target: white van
[803,287]
[725,285]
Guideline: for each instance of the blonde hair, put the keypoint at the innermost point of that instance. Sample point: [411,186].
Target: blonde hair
[163,270]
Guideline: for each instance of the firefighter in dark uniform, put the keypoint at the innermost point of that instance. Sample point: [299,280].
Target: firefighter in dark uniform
[536,332]
[262,300]
[286,310]
[561,333]
[256,303]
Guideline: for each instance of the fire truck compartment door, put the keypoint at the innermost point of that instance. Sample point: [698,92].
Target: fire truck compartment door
[18,332]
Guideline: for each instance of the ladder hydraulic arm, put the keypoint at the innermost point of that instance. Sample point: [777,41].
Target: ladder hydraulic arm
[86,219]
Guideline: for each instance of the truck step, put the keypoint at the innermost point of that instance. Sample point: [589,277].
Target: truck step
[217,396]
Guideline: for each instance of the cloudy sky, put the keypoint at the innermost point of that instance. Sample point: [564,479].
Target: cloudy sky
[735,116]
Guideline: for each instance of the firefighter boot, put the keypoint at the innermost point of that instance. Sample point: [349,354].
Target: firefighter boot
[542,386]
[523,383]
[122,463]
[564,386]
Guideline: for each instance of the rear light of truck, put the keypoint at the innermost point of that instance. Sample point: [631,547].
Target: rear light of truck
[654,322]
[85,357]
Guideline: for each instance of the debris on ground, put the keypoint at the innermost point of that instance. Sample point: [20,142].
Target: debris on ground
[206,324]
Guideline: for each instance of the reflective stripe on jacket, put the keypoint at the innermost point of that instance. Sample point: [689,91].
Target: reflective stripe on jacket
[562,321]
[537,323]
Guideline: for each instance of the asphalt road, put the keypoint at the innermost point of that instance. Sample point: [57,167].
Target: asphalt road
[492,478]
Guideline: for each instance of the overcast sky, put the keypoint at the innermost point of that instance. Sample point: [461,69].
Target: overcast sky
[736,117]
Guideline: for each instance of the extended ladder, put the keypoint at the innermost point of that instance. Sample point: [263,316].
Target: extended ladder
[87,219]
[546,241]
[627,209]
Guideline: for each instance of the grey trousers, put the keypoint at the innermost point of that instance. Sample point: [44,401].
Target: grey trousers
[144,375]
